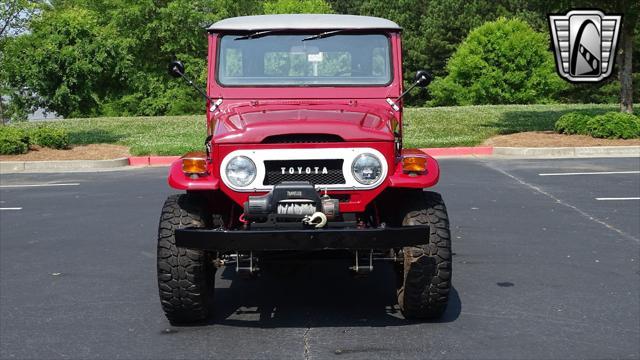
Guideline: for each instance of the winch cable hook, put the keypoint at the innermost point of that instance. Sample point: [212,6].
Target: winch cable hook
[311,220]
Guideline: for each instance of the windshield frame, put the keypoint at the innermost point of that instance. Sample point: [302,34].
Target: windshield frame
[310,32]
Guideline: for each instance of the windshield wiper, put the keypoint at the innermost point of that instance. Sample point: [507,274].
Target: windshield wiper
[257,34]
[325,34]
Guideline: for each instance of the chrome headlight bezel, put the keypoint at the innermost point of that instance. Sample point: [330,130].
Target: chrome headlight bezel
[357,168]
[248,165]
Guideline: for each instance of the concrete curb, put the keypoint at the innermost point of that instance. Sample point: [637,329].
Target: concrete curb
[7,167]
[459,151]
[568,152]
[152,160]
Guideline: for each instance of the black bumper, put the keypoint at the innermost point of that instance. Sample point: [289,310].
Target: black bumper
[321,239]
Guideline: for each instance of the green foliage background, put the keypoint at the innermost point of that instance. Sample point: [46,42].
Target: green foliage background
[500,62]
[108,57]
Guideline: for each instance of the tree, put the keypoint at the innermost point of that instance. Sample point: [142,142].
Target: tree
[409,14]
[15,14]
[625,54]
[4,85]
[297,7]
[432,30]
[109,57]
[351,7]
[68,60]
[500,62]
[447,23]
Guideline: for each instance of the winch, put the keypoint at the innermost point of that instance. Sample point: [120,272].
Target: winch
[291,200]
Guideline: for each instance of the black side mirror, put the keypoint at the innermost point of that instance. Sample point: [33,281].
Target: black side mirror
[423,78]
[176,69]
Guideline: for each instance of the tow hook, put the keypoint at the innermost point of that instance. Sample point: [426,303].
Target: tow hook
[316,220]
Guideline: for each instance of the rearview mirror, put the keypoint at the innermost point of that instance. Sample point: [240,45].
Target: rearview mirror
[423,78]
[304,50]
[176,68]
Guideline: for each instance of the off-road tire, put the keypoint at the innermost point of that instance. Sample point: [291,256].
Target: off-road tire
[185,276]
[425,277]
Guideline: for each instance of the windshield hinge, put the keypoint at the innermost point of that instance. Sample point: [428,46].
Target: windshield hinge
[215,105]
[393,105]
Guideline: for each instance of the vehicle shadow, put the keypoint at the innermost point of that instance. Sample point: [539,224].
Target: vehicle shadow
[319,294]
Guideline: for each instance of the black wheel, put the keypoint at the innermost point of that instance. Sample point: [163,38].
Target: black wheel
[425,277]
[185,276]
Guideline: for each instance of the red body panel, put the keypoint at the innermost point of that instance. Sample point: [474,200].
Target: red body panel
[358,115]
[245,122]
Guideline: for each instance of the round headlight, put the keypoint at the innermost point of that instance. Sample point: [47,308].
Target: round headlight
[367,169]
[241,171]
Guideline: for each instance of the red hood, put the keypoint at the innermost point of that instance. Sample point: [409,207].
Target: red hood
[252,124]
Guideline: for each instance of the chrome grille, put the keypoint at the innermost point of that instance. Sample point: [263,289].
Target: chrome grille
[317,172]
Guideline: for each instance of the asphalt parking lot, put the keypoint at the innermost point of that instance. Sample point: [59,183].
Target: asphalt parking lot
[545,266]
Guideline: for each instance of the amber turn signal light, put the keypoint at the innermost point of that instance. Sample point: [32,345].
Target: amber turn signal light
[414,164]
[194,163]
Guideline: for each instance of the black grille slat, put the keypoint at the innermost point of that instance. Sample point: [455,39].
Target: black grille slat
[274,173]
[301,138]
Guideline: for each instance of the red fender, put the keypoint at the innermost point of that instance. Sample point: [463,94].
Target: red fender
[178,180]
[401,180]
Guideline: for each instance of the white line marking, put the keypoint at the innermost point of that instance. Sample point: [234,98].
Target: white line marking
[591,173]
[614,199]
[563,203]
[37,185]
[12,208]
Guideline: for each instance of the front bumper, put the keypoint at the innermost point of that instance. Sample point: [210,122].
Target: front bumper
[311,239]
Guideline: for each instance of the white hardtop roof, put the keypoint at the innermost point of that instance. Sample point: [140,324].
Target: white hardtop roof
[302,22]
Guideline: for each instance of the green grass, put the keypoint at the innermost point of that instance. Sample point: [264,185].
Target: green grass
[471,125]
[162,135]
[426,127]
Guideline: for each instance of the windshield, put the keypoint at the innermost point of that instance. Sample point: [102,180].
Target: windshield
[304,60]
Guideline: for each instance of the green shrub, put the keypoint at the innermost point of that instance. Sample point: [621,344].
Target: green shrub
[500,62]
[13,141]
[572,123]
[614,125]
[51,137]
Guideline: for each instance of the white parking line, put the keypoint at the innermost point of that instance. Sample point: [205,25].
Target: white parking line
[620,198]
[37,185]
[591,173]
[563,203]
[11,208]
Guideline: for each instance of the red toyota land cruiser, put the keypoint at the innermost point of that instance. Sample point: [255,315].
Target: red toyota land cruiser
[303,154]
